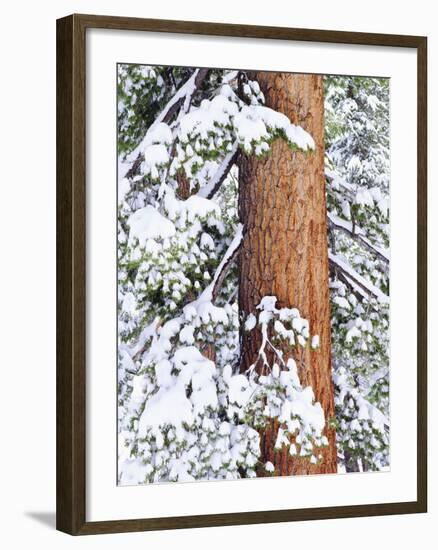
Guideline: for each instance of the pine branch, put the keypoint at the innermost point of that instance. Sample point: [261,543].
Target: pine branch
[224,271]
[183,97]
[348,188]
[209,190]
[358,235]
[229,258]
[143,340]
[370,381]
[356,282]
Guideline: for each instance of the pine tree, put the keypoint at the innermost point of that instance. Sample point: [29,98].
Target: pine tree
[357,131]
[284,254]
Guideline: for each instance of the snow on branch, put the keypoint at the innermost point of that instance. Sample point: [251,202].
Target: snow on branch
[348,188]
[229,76]
[358,194]
[184,97]
[359,235]
[355,281]
[373,378]
[209,294]
[209,190]
[228,259]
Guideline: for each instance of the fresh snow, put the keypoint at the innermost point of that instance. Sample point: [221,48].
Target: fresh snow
[183,92]
[359,233]
[207,189]
[147,223]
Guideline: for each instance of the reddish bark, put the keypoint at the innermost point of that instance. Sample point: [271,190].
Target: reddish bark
[284,250]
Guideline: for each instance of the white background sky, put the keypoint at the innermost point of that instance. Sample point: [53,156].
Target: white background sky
[27,229]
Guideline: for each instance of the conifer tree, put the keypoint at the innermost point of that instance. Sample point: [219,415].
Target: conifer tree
[284,254]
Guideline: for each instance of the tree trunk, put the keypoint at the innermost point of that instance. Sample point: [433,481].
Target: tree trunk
[284,250]
[351,463]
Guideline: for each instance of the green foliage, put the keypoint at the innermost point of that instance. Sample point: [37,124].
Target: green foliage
[357,159]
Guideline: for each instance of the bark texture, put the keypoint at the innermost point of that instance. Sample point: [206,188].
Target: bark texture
[284,250]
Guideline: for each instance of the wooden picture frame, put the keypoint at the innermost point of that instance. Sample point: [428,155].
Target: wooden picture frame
[71,273]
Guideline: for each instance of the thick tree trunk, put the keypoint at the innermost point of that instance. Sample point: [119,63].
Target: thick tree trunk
[284,250]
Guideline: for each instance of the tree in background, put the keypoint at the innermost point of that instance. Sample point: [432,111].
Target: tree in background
[357,171]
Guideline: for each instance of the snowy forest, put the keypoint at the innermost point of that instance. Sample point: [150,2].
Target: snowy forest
[253,274]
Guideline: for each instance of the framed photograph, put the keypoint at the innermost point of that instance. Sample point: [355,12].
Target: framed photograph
[241,274]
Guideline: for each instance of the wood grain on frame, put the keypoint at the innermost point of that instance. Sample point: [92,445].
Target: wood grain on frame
[71,270]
